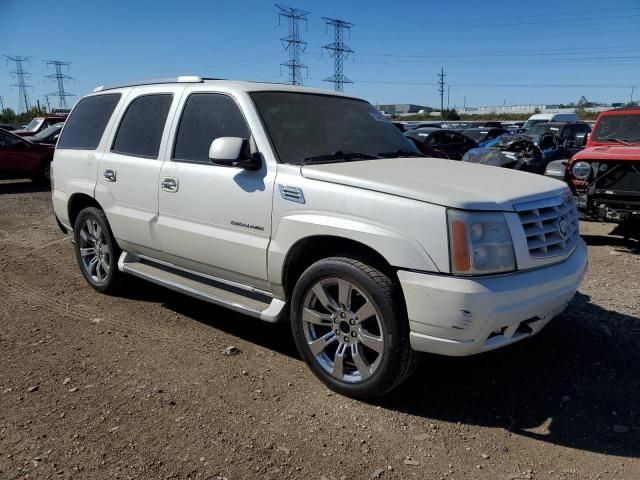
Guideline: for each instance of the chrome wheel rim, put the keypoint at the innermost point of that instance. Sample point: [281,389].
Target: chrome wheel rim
[343,330]
[95,252]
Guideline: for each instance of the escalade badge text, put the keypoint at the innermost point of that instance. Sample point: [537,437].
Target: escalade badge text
[247,225]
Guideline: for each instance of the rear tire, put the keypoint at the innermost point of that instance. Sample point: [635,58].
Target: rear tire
[96,250]
[43,177]
[350,327]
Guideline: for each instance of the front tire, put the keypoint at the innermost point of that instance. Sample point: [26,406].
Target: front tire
[350,327]
[96,250]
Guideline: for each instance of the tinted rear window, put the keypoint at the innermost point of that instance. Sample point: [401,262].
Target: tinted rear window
[142,125]
[86,124]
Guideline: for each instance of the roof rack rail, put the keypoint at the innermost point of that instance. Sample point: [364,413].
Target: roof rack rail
[180,79]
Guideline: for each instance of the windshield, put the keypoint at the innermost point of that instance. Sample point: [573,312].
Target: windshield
[618,127]
[34,124]
[47,131]
[543,128]
[531,123]
[305,126]
[477,135]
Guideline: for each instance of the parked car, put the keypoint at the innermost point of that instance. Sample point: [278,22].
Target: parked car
[20,158]
[571,131]
[286,202]
[47,136]
[453,143]
[7,126]
[482,134]
[38,124]
[605,176]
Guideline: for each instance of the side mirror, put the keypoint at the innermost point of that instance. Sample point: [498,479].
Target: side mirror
[233,152]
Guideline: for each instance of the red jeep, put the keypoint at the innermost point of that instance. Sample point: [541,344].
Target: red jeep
[605,176]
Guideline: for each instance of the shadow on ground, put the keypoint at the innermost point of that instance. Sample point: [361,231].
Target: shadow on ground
[575,385]
[21,186]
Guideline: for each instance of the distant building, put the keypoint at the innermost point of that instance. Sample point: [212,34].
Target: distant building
[400,108]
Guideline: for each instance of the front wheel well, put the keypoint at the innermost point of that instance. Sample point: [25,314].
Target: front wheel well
[77,203]
[309,250]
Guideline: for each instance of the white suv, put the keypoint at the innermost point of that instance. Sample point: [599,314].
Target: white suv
[292,203]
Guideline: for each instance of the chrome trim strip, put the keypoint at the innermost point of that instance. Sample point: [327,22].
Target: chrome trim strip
[192,292]
[231,283]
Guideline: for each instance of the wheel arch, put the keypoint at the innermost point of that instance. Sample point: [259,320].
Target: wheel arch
[306,251]
[78,202]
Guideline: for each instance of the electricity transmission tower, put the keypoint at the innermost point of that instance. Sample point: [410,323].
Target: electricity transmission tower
[21,76]
[292,42]
[61,79]
[46,99]
[339,51]
[441,76]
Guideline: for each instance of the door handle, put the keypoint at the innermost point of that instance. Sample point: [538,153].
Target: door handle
[110,175]
[169,184]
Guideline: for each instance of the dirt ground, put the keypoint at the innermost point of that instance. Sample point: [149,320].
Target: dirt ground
[137,386]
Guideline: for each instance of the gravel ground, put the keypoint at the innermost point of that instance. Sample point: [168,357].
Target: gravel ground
[93,386]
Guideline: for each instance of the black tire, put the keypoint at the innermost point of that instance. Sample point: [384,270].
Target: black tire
[397,359]
[107,277]
[43,177]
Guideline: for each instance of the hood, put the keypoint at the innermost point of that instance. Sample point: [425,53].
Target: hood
[609,152]
[443,182]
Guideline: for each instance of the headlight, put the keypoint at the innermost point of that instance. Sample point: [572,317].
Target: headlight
[581,170]
[479,243]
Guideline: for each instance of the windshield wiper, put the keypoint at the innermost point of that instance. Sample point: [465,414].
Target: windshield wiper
[400,153]
[339,156]
[617,140]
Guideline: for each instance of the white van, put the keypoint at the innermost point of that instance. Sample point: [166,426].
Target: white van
[550,117]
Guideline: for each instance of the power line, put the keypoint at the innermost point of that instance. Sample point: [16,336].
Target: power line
[292,42]
[21,76]
[488,85]
[339,51]
[61,79]
[441,76]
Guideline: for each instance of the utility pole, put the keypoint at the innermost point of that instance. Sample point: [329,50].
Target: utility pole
[1,104]
[61,79]
[21,76]
[441,76]
[631,97]
[464,104]
[448,92]
[292,42]
[339,51]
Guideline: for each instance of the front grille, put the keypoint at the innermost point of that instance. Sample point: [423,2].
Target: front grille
[550,225]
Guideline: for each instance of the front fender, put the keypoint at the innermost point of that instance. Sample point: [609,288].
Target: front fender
[399,250]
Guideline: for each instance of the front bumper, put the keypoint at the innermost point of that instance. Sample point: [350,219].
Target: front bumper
[464,316]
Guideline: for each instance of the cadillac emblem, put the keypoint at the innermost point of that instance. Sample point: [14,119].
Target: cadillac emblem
[563,227]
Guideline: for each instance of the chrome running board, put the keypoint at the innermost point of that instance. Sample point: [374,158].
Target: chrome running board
[235,297]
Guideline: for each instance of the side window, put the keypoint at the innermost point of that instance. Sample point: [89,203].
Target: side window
[8,140]
[85,126]
[205,117]
[452,138]
[142,125]
[435,139]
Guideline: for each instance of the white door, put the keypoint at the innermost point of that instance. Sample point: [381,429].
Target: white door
[214,219]
[129,170]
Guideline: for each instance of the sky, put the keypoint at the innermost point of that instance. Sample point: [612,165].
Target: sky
[493,53]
